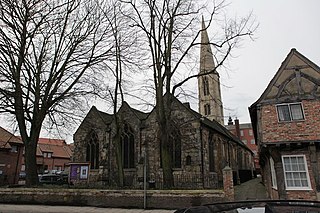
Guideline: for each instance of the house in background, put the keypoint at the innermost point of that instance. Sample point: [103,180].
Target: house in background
[245,133]
[11,151]
[52,154]
[286,123]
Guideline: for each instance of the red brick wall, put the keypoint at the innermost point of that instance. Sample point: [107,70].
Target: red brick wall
[253,147]
[10,166]
[274,131]
[53,162]
[303,194]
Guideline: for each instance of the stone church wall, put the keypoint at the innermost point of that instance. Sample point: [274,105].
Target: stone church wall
[194,171]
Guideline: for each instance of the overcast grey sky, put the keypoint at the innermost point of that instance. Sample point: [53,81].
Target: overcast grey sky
[283,24]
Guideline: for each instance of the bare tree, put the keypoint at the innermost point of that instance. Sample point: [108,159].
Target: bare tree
[122,63]
[116,69]
[168,27]
[49,50]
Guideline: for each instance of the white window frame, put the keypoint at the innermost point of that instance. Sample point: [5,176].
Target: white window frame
[273,174]
[250,132]
[306,171]
[14,148]
[241,133]
[290,113]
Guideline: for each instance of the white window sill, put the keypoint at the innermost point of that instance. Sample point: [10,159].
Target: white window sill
[299,189]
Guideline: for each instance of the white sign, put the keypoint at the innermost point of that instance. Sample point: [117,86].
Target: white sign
[84,172]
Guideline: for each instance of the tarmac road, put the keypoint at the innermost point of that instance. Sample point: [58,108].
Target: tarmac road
[11,208]
[251,190]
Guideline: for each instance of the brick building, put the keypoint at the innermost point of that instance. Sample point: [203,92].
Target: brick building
[52,154]
[286,123]
[245,133]
[11,150]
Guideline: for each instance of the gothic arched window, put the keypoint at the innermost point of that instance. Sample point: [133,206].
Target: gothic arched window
[93,150]
[174,147]
[211,153]
[188,160]
[127,147]
[206,88]
[207,110]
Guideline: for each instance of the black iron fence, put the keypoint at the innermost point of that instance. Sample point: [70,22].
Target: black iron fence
[180,181]
[188,181]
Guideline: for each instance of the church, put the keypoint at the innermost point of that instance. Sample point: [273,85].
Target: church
[202,145]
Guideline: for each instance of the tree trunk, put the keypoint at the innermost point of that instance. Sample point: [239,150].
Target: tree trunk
[31,163]
[117,144]
[166,158]
[164,120]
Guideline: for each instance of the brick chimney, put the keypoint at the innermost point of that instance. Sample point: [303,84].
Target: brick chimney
[236,122]
[230,122]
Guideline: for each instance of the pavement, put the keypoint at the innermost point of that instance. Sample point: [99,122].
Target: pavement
[8,208]
[251,190]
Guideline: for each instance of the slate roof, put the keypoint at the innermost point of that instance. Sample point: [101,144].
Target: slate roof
[211,124]
[108,118]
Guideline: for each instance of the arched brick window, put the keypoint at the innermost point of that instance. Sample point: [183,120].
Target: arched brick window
[92,155]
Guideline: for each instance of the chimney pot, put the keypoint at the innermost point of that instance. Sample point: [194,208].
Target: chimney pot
[236,122]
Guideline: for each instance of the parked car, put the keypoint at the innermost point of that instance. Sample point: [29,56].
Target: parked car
[22,175]
[53,179]
[256,206]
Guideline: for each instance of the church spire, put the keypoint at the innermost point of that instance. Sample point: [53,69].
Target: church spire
[206,56]
[210,103]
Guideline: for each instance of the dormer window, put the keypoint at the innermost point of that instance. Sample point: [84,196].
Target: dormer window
[290,112]
[47,154]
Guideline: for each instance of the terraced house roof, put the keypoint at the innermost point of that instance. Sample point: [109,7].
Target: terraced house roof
[58,148]
[6,138]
